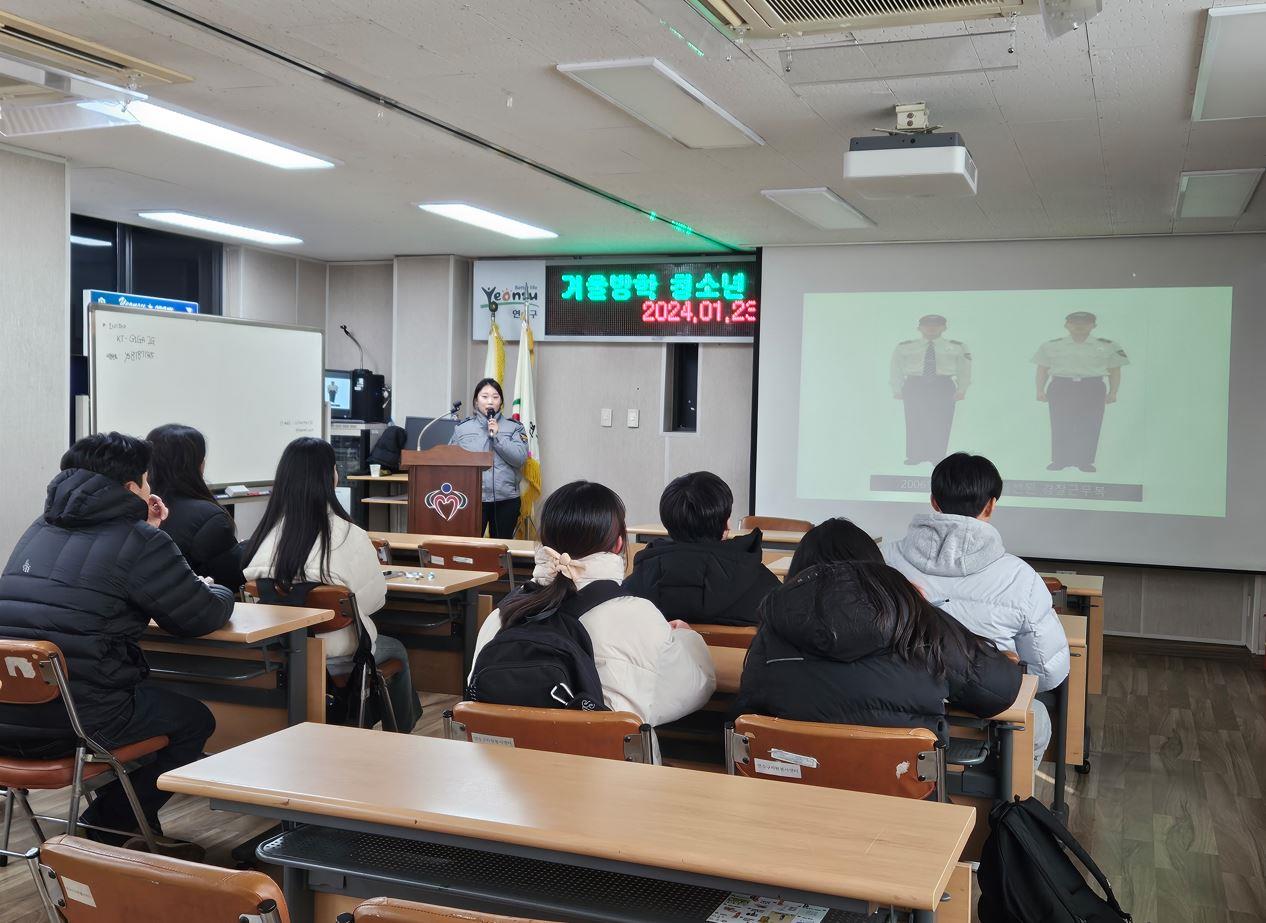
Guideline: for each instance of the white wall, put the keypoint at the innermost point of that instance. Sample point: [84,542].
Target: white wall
[34,335]
[575,381]
[430,334]
[360,295]
[274,287]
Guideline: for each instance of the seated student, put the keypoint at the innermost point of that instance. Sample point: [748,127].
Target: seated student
[205,534]
[697,574]
[658,670]
[88,576]
[957,558]
[306,536]
[848,640]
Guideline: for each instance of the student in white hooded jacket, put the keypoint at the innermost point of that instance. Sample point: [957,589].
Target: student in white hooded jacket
[955,555]
[656,669]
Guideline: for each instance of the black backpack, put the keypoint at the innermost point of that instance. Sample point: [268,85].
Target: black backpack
[1026,876]
[547,660]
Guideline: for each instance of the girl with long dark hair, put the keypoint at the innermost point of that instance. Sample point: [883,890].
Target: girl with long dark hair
[848,640]
[656,669]
[306,535]
[205,534]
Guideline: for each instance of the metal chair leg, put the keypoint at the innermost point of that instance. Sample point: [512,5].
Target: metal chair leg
[135,802]
[8,825]
[384,703]
[76,786]
[30,814]
[362,695]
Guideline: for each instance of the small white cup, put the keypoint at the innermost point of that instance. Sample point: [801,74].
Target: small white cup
[375,471]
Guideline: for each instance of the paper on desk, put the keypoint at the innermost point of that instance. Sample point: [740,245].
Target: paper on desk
[744,908]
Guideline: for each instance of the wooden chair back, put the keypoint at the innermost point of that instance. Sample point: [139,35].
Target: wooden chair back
[739,636]
[382,548]
[461,556]
[631,552]
[338,599]
[775,524]
[26,677]
[391,910]
[612,735]
[905,762]
[104,884]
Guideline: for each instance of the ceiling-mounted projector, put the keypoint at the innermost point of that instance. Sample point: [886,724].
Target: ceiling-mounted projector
[914,165]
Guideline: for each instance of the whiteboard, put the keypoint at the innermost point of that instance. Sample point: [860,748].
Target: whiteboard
[249,387]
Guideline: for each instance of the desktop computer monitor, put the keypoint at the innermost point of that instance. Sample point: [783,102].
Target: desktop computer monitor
[338,392]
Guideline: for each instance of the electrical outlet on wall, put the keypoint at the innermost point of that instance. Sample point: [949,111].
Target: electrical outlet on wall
[633,418]
[605,416]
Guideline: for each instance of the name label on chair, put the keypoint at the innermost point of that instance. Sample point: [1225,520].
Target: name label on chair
[492,739]
[77,891]
[788,757]
[776,768]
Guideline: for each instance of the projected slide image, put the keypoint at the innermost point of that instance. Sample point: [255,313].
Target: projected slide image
[1110,399]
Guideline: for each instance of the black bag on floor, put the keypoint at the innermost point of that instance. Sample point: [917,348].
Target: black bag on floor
[547,661]
[1026,875]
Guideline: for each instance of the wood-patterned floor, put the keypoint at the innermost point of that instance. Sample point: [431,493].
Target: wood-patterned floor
[1173,809]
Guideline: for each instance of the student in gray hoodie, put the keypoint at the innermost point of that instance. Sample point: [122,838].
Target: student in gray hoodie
[956,556]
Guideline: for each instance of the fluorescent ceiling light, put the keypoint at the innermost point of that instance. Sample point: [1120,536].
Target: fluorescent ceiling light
[223,228]
[490,221]
[820,207]
[1216,193]
[200,131]
[90,241]
[658,96]
[1232,65]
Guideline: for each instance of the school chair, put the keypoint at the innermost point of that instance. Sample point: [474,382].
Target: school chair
[775,524]
[390,910]
[35,673]
[365,678]
[612,735]
[88,882]
[904,762]
[382,548]
[493,558]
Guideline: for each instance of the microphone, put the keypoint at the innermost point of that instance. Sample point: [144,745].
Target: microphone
[491,413]
[348,334]
[452,411]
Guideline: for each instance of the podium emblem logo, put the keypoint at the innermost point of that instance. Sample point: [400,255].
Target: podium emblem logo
[446,502]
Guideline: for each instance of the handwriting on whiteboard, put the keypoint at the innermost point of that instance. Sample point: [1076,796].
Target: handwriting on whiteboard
[300,427]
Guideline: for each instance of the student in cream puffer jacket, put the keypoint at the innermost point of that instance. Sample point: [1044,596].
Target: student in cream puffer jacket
[956,556]
[658,670]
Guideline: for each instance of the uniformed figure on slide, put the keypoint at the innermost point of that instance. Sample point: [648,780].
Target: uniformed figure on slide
[929,374]
[1070,378]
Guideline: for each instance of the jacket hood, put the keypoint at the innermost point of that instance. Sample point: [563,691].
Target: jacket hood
[950,546]
[824,612]
[723,571]
[78,497]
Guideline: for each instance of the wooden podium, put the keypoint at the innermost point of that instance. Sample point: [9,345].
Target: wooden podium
[446,490]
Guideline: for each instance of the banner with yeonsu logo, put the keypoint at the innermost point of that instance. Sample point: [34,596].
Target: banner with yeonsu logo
[514,288]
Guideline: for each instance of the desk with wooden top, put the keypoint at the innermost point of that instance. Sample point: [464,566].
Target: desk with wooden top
[522,550]
[771,538]
[404,618]
[712,833]
[1085,592]
[230,669]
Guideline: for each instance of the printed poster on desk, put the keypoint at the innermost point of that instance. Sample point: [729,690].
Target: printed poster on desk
[745,908]
[515,288]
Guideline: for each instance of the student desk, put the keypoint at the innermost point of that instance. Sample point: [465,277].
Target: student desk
[1085,592]
[592,817]
[787,541]
[522,550]
[417,626]
[230,668]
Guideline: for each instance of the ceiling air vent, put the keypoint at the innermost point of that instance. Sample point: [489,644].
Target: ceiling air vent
[45,47]
[774,18]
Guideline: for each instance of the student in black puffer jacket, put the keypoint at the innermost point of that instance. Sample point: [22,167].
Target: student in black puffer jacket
[89,575]
[853,642]
[697,574]
[203,531]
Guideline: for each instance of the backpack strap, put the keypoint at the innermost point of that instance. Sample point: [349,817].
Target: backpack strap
[1053,825]
[591,597]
